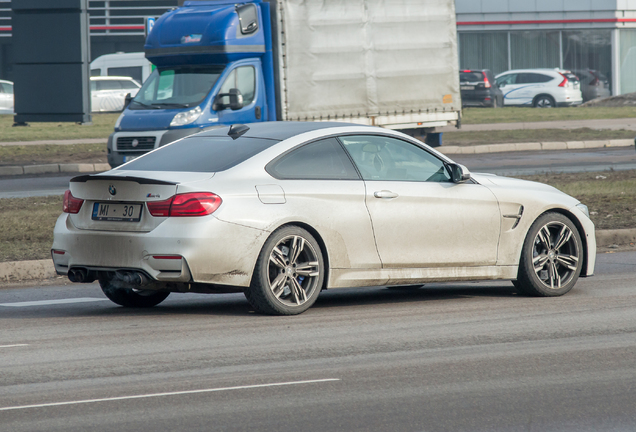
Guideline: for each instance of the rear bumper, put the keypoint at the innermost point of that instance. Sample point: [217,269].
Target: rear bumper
[211,251]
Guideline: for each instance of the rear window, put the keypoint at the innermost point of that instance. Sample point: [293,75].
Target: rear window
[202,154]
[471,76]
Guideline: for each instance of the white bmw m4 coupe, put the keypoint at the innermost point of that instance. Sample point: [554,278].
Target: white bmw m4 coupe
[283,210]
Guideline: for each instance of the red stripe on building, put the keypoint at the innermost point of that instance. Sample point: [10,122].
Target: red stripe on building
[571,21]
[5,28]
[118,27]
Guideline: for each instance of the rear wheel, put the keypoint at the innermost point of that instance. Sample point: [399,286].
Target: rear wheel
[552,257]
[132,298]
[288,275]
[544,101]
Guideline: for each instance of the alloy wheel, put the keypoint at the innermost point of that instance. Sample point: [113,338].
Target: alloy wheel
[293,270]
[555,255]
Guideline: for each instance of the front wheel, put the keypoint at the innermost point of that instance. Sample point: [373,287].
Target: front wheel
[289,273]
[132,298]
[552,257]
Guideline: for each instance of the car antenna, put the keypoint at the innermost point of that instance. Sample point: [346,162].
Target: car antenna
[236,130]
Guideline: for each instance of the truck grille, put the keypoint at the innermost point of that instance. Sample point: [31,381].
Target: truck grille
[136,143]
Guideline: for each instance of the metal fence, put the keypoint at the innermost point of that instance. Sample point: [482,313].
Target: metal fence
[107,18]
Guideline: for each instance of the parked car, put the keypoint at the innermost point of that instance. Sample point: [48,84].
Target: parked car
[134,65]
[478,88]
[593,84]
[6,97]
[283,210]
[109,93]
[541,88]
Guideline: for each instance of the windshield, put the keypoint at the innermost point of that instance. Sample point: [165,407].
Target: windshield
[179,87]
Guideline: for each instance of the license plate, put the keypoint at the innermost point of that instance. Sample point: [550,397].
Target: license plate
[117,212]
[129,158]
[467,87]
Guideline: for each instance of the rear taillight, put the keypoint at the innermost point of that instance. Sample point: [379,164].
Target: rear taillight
[486,82]
[184,205]
[565,81]
[71,204]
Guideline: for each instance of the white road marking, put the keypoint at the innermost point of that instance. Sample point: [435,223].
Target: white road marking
[176,393]
[53,302]
[14,345]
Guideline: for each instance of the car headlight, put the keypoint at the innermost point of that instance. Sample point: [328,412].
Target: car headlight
[584,209]
[186,117]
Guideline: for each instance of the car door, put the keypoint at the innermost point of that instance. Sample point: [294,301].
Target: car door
[246,80]
[420,217]
[508,85]
[6,99]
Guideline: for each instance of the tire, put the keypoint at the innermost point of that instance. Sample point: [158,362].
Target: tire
[132,298]
[552,257]
[289,273]
[544,101]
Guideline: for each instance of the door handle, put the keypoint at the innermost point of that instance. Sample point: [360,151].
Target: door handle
[385,194]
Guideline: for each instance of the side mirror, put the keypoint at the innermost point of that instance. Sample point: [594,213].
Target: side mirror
[503,84]
[127,100]
[459,173]
[236,100]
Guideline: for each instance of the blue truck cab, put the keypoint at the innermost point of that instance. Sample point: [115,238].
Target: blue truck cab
[214,67]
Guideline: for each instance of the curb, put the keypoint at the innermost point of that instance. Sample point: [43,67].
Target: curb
[514,147]
[53,168]
[17,271]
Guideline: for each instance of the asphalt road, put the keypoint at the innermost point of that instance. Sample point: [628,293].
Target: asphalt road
[454,357]
[514,163]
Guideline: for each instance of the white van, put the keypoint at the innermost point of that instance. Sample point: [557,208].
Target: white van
[134,65]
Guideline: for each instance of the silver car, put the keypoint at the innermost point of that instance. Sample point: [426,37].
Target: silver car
[283,210]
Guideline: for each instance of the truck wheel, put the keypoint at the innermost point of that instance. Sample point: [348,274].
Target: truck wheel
[551,258]
[544,101]
[288,275]
[132,298]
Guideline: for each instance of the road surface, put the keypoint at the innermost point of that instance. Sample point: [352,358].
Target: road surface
[448,357]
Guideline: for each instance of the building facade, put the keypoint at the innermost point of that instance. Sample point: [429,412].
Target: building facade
[571,34]
[493,34]
[115,26]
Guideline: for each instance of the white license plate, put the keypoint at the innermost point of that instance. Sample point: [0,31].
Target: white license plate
[467,87]
[117,212]
[129,158]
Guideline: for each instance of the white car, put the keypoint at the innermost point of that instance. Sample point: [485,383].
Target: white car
[108,93]
[6,97]
[540,88]
[283,210]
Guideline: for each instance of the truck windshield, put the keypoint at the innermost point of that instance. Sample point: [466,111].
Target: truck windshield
[179,87]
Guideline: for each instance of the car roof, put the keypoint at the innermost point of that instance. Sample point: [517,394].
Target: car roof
[279,130]
[110,78]
[6,82]
[543,70]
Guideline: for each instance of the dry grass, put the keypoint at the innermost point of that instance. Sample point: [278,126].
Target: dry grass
[26,227]
[103,125]
[610,195]
[513,114]
[52,153]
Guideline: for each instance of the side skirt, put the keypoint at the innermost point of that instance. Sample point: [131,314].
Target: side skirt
[345,278]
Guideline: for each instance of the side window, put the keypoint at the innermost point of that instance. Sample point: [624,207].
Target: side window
[320,160]
[108,85]
[132,71]
[244,79]
[96,72]
[543,78]
[128,85]
[506,79]
[391,159]
[523,78]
